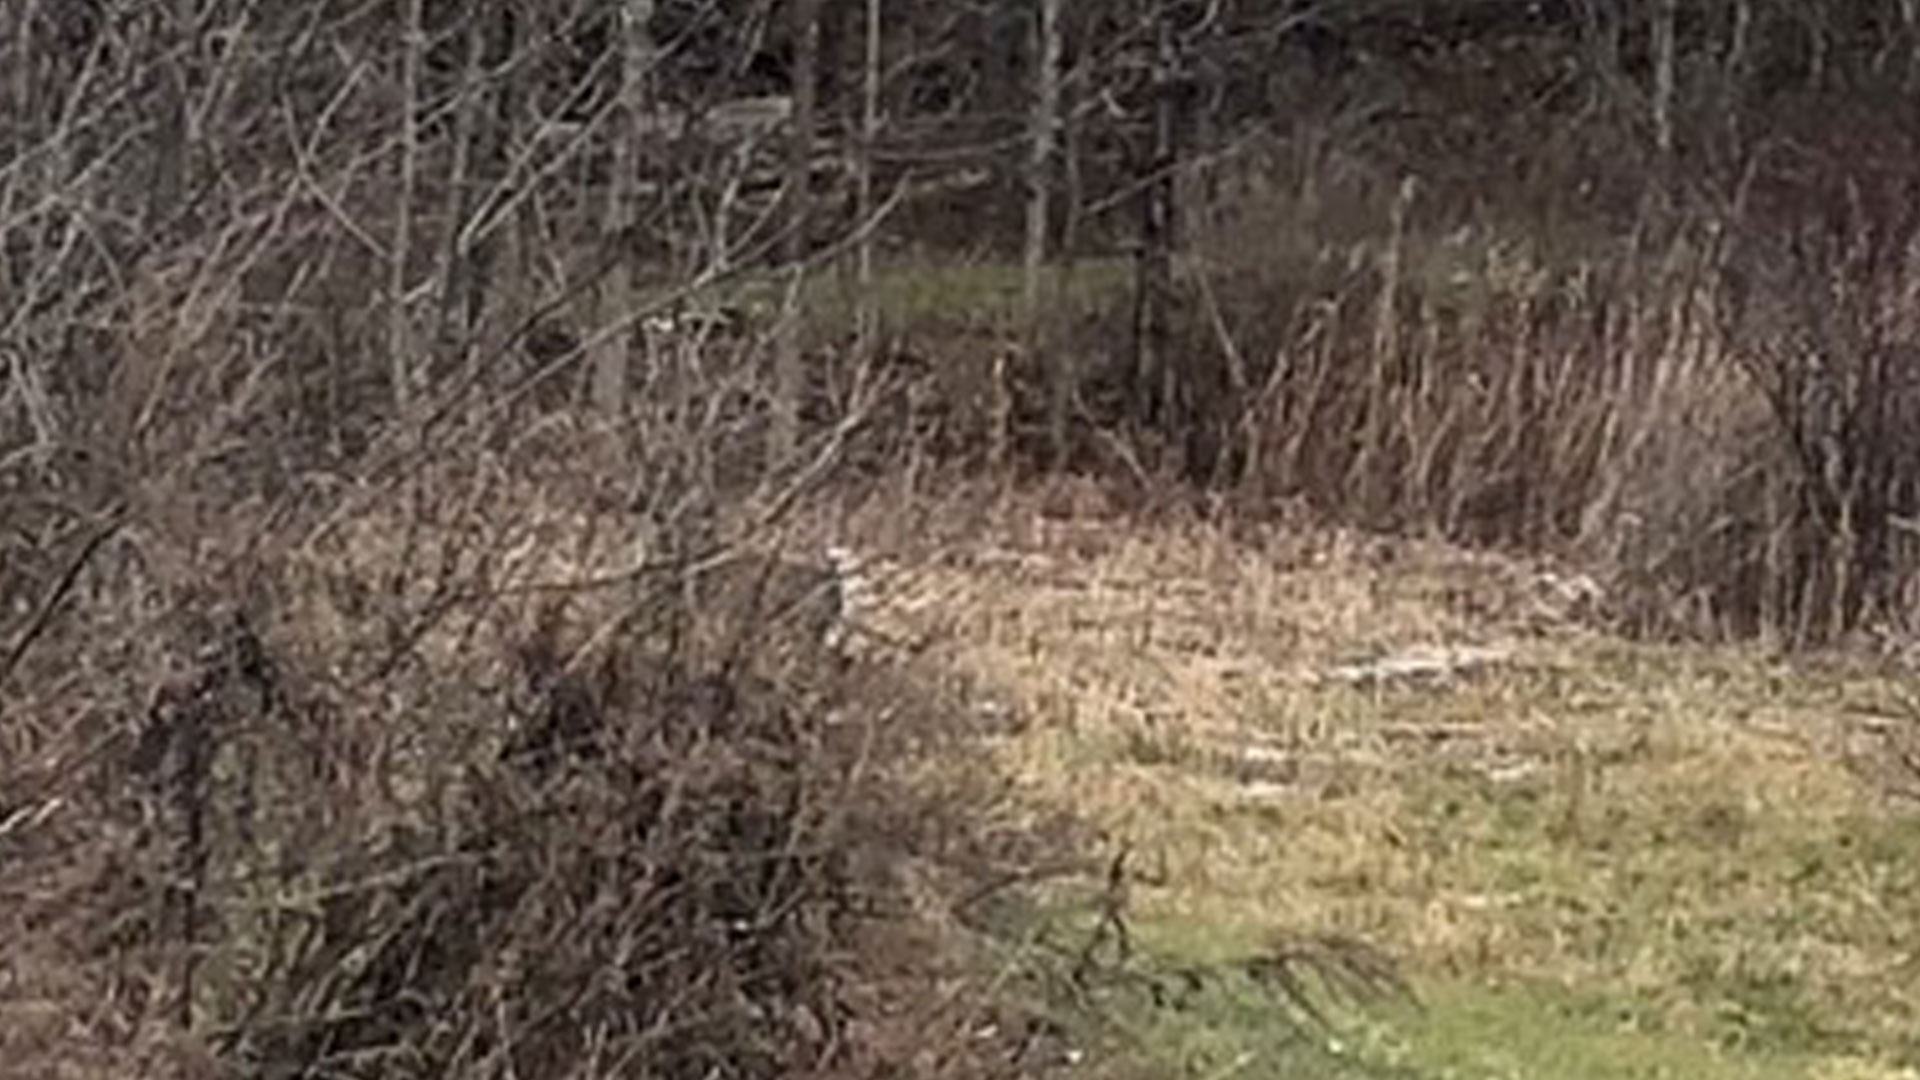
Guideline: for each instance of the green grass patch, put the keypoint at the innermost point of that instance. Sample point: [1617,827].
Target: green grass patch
[1458,1030]
[1667,838]
[1598,858]
[1536,1032]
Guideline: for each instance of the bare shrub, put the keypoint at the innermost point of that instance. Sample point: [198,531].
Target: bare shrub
[1823,285]
[455,791]
[1769,485]
[484,737]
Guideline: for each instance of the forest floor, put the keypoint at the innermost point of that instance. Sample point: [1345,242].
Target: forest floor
[1591,857]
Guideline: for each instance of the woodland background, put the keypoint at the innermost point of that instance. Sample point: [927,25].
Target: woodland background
[316,318]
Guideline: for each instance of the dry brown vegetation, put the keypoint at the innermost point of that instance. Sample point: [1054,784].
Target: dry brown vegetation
[1595,858]
[528,548]
[1706,398]
[387,785]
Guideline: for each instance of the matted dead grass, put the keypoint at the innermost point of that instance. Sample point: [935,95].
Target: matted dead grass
[1705,834]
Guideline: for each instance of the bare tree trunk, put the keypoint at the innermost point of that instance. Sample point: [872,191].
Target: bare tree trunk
[1733,69]
[614,353]
[486,239]
[1665,12]
[168,180]
[1073,186]
[1819,41]
[1042,132]
[1910,29]
[1740,39]
[1153,376]
[399,333]
[789,378]
[460,180]
[866,322]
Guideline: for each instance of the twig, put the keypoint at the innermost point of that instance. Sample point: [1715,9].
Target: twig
[50,603]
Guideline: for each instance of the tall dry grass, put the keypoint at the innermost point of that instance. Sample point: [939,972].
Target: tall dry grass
[1707,396]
